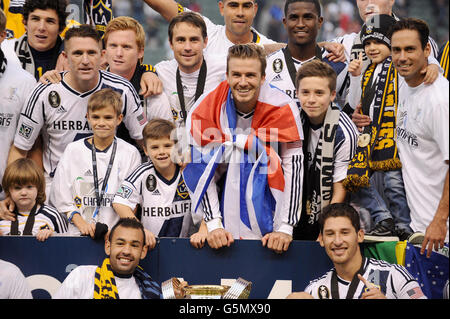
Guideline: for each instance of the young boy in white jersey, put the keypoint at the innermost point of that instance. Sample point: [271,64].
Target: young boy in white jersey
[24,183]
[84,188]
[158,186]
[353,275]
[377,148]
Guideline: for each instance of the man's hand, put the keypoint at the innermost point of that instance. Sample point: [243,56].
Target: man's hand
[219,238]
[52,76]
[336,51]
[434,236]
[150,239]
[6,209]
[277,241]
[86,229]
[150,85]
[373,292]
[360,119]
[431,72]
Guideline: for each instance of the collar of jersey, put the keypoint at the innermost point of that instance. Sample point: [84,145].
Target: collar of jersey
[82,95]
[174,178]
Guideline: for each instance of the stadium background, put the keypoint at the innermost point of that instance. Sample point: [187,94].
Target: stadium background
[341,17]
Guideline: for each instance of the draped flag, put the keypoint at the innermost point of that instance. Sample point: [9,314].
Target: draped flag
[258,180]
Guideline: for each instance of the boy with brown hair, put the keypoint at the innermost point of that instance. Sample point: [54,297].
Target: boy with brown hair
[158,186]
[84,188]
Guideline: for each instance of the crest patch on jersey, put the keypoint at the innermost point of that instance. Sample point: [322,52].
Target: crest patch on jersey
[25,131]
[277,66]
[182,190]
[77,201]
[150,183]
[323,292]
[54,99]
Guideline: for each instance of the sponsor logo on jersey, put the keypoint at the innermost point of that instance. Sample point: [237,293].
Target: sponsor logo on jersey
[25,131]
[71,125]
[180,208]
[5,119]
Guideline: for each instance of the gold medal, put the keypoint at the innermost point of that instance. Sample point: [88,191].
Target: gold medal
[364,140]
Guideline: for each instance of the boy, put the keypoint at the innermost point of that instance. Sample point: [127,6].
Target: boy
[157,186]
[92,169]
[380,85]
[330,140]
[24,183]
[354,276]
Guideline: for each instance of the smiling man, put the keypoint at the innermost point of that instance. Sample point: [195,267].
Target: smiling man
[422,134]
[242,122]
[120,275]
[353,275]
[60,109]
[39,48]
[302,21]
[238,17]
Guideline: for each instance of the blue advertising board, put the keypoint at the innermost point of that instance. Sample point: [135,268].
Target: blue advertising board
[46,265]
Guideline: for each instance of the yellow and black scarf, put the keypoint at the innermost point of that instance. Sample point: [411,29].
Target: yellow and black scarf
[380,152]
[444,59]
[105,283]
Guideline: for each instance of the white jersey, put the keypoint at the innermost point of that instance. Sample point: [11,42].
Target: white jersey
[158,106]
[166,205]
[277,74]
[13,284]
[423,145]
[344,147]
[73,185]
[16,84]
[218,42]
[79,284]
[167,70]
[393,280]
[59,112]
[46,217]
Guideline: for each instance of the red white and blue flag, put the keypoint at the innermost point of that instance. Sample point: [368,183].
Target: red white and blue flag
[258,182]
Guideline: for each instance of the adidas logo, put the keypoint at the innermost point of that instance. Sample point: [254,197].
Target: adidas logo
[61,110]
[156,192]
[278,78]
[88,173]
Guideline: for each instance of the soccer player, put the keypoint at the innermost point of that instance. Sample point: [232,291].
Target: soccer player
[158,186]
[238,17]
[330,143]
[191,73]
[16,84]
[238,127]
[84,189]
[302,22]
[353,275]
[119,275]
[60,109]
[422,134]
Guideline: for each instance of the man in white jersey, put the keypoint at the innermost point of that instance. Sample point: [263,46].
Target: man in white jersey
[13,284]
[119,275]
[422,134]
[238,17]
[60,109]
[302,22]
[245,107]
[16,84]
[191,71]
[353,275]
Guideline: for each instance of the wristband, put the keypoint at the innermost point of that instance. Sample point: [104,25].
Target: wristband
[71,216]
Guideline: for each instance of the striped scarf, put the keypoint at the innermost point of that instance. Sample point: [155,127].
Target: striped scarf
[105,284]
[444,59]
[211,125]
[380,154]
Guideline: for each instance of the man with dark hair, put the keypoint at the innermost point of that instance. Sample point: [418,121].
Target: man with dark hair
[60,109]
[39,48]
[120,275]
[422,134]
[191,73]
[254,132]
[353,275]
